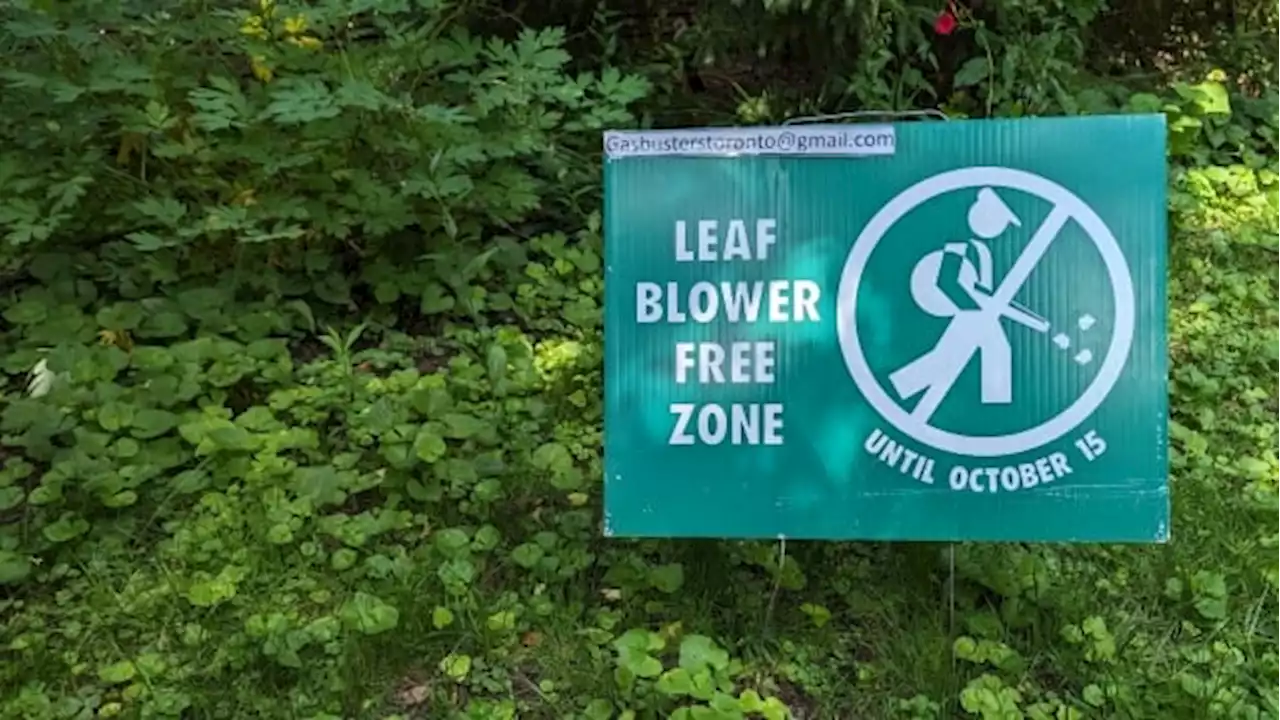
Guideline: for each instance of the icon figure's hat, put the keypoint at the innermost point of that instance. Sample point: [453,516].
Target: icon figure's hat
[989,215]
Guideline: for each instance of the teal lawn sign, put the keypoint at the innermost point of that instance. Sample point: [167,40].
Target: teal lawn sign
[921,331]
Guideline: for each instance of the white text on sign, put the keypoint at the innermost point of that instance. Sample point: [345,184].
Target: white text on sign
[1030,473]
[733,363]
[733,302]
[744,362]
[740,424]
[737,246]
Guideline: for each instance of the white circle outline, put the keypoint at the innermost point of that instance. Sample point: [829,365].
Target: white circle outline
[991,445]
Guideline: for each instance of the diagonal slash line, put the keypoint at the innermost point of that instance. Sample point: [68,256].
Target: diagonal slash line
[1000,299]
[1029,258]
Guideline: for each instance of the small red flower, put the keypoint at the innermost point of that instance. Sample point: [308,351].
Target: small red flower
[946,21]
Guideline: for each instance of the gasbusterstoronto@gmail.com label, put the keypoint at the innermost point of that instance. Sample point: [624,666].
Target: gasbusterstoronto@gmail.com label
[831,140]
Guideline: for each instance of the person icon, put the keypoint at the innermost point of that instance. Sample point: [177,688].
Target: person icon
[957,282]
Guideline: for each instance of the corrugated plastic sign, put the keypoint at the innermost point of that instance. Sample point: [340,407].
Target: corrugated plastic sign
[924,330]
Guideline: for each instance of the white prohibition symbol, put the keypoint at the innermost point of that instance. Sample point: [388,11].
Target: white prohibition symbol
[1066,206]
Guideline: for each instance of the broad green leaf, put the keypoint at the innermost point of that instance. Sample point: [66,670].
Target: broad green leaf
[386,292]
[116,673]
[496,363]
[527,555]
[369,615]
[202,303]
[429,446]
[1254,468]
[1144,103]
[150,423]
[120,316]
[699,651]
[435,299]
[343,558]
[556,460]
[552,456]
[974,71]
[774,709]
[115,416]
[163,324]
[668,578]
[644,666]
[27,312]
[461,426]
[457,574]
[121,499]
[569,479]
[151,357]
[635,648]
[750,701]
[675,682]
[598,709]
[504,621]
[10,496]
[280,534]
[819,614]
[210,592]
[1210,97]
[486,538]
[456,666]
[67,527]
[14,567]
[441,617]
[452,541]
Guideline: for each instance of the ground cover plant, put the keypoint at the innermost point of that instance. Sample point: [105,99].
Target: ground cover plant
[300,370]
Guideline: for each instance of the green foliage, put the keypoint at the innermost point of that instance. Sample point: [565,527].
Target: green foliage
[300,376]
[350,121]
[700,685]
